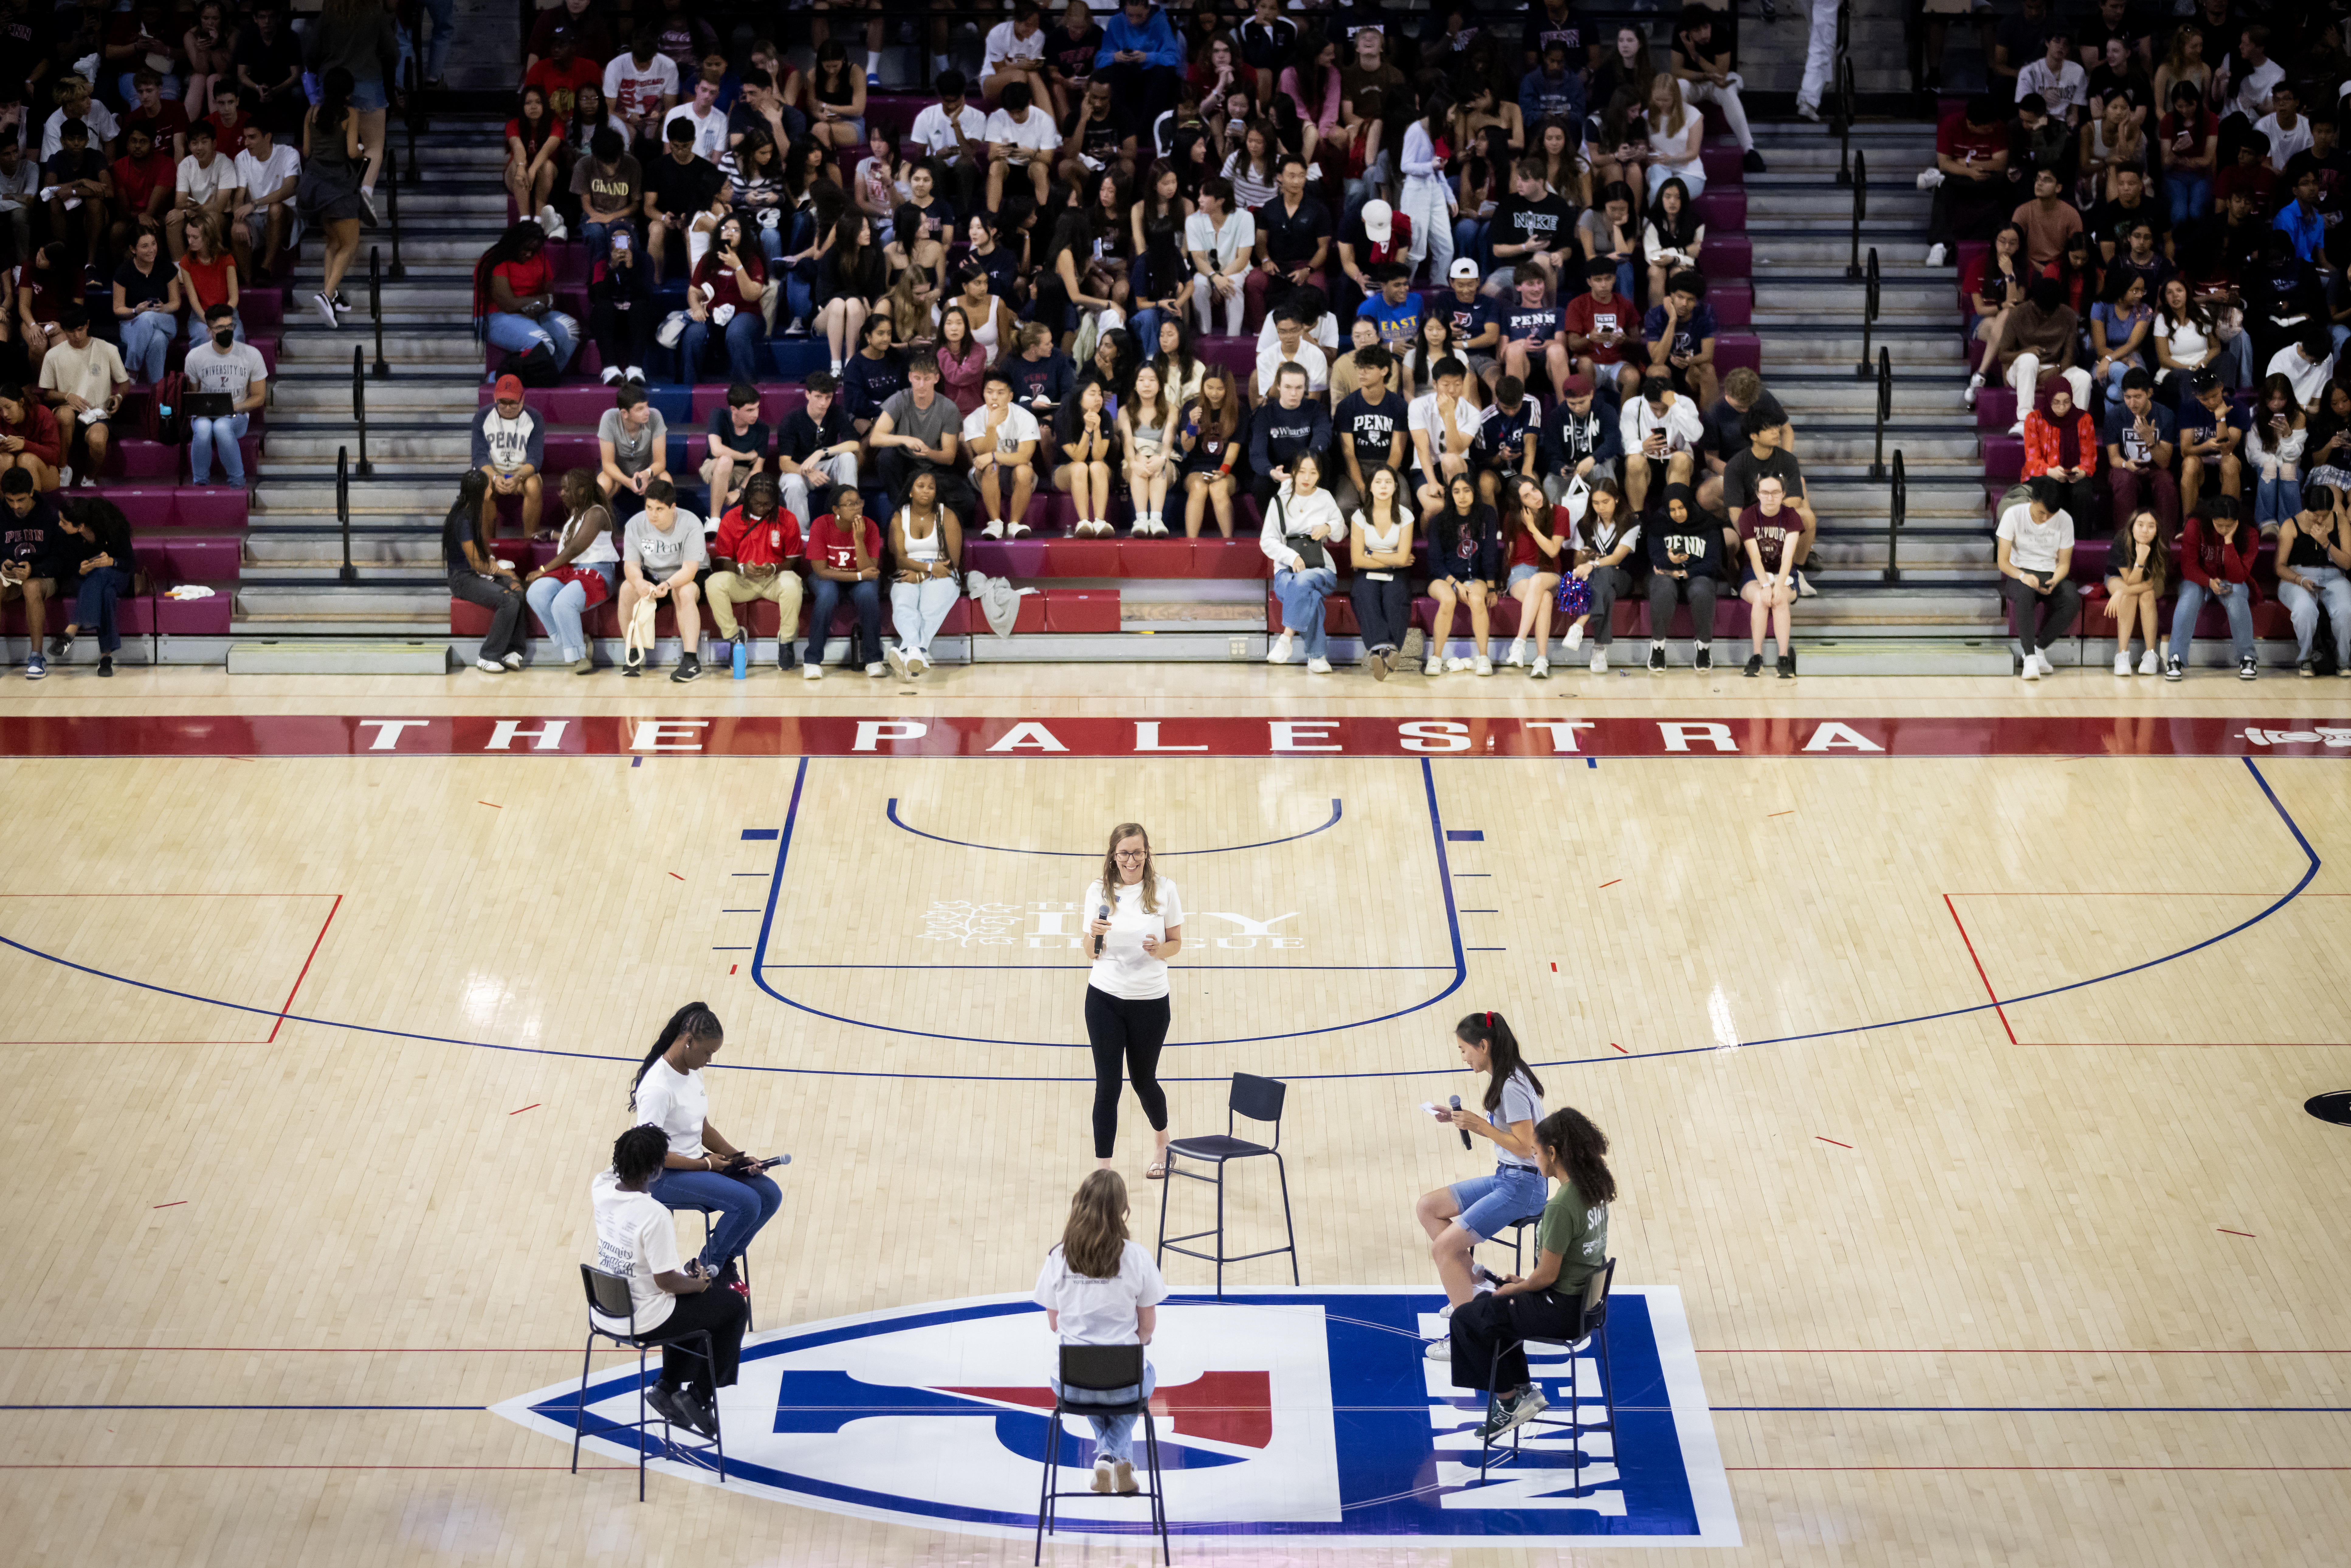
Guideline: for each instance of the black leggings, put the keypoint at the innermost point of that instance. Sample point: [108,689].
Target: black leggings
[723,1313]
[1132,1032]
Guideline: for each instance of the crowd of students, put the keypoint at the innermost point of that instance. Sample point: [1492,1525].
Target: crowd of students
[1349,287]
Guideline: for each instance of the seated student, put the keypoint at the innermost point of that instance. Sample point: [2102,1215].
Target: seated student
[1377,236]
[1603,331]
[1291,347]
[1686,555]
[1220,241]
[1509,439]
[77,173]
[1581,441]
[1042,375]
[1373,425]
[478,577]
[2274,452]
[724,294]
[2288,129]
[205,181]
[141,185]
[1725,435]
[738,443]
[875,374]
[510,448]
[1001,438]
[636,1238]
[2324,159]
[1288,423]
[2216,562]
[1380,536]
[2036,554]
[2284,295]
[1607,545]
[37,554]
[1303,529]
[1098,1287]
[1661,432]
[661,551]
[1465,567]
[1681,333]
[1768,531]
[2141,439]
[585,571]
[1444,426]
[1761,455]
[610,187]
[2038,347]
[919,430]
[1532,227]
[2061,444]
[2307,364]
[30,443]
[98,540]
[753,557]
[146,307]
[1147,420]
[2122,326]
[1532,337]
[845,558]
[2314,553]
[1213,435]
[266,174]
[926,547]
[1086,431]
[1474,321]
[1552,88]
[633,444]
[2212,435]
[84,379]
[1541,548]
[1021,141]
[1293,239]
[217,367]
[2139,567]
[1393,311]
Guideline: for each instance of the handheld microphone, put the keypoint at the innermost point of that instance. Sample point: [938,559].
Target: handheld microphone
[1464,1131]
[1101,913]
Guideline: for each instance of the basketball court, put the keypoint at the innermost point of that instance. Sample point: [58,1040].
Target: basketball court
[1953,1042]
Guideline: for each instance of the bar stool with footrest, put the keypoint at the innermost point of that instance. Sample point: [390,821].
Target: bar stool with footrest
[1592,1326]
[609,1294]
[1258,1099]
[750,1321]
[1097,1367]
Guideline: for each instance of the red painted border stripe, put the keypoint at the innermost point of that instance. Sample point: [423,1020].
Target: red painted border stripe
[306,970]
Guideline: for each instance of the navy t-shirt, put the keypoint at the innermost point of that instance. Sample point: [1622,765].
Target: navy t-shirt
[2198,423]
[2121,429]
[1468,320]
[1693,330]
[1372,426]
[721,428]
[1520,323]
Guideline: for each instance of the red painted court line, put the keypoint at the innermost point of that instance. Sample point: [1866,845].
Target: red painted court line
[1612,883]
[1980,969]
[532,1106]
[174,1204]
[1769,815]
[2226,1231]
[493,805]
[306,970]
[1614,1046]
[732,968]
[679,878]
[1817,1138]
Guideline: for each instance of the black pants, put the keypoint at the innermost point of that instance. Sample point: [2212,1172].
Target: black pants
[1139,95]
[723,1313]
[1382,611]
[1130,1033]
[623,337]
[1697,591]
[2041,616]
[509,623]
[1483,1322]
[1608,584]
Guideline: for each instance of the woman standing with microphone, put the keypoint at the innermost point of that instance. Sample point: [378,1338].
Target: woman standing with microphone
[1460,1217]
[1136,925]
[702,1169]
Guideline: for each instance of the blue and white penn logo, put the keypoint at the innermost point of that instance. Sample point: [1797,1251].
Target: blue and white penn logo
[1299,1412]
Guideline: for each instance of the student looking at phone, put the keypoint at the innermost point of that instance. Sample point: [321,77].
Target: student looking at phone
[701,1170]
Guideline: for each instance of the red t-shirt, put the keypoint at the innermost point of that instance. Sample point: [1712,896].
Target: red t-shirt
[719,279]
[1584,315]
[1955,137]
[827,538]
[554,131]
[525,278]
[228,134]
[1772,535]
[560,83]
[208,279]
[49,299]
[2260,180]
[167,121]
[135,182]
[770,543]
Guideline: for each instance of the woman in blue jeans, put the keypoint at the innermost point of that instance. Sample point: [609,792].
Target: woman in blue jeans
[1098,1287]
[147,307]
[1302,528]
[1458,1216]
[2216,563]
[102,539]
[513,294]
[702,1169]
[558,593]
[725,297]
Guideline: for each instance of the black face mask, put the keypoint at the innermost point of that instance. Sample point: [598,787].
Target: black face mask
[224,338]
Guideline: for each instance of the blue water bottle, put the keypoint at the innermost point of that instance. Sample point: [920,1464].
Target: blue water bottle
[742,660]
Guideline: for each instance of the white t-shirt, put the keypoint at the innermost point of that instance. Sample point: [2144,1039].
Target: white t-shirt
[1424,415]
[2284,144]
[2248,89]
[89,372]
[1034,134]
[198,184]
[1225,242]
[1268,360]
[709,132]
[1101,1311]
[258,179]
[2060,90]
[633,89]
[101,120]
[937,137]
[635,1238]
[2188,343]
[2307,378]
[1325,332]
[2032,548]
[21,188]
[1019,425]
[1124,969]
[678,1103]
[233,370]
[1002,48]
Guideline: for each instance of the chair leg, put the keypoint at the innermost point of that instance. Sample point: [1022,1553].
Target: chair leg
[579,1405]
[1607,1384]
[1045,1488]
[1166,1180]
[641,1419]
[1289,1231]
[1485,1444]
[1220,1229]
[1158,1487]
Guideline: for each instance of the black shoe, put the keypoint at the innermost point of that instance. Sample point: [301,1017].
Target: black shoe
[2249,668]
[633,671]
[1754,665]
[785,660]
[689,668]
[60,644]
[2171,669]
[1703,660]
[2309,668]
[1787,666]
[701,1413]
[670,1405]
[1657,656]
[1753,163]
[106,664]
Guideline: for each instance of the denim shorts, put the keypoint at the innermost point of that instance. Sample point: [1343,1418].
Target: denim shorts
[1519,574]
[1489,1203]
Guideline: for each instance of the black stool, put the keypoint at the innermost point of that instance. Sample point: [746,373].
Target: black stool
[1593,1325]
[1094,1367]
[1518,1228]
[609,1294]
[1258,1099]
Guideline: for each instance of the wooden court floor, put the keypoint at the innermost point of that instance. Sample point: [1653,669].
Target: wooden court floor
[312,1058]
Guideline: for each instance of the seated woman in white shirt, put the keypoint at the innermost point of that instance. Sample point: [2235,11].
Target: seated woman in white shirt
[1303,529]
[703,1170]
[637,1239]
[1100,1288]
[1677,137]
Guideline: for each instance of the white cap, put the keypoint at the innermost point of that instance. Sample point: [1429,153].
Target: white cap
[1465,267]
[1379,221]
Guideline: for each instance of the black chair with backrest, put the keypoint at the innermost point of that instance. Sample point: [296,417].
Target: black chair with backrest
[1258,1099]
[1101,1367]
[609,1294]
[1592,1326]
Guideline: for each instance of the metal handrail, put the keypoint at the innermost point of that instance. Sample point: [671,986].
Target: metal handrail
[359,405]
[1885,409]
[413,116]
[1869,307]
[1859,213]
[375,305]
[392,187]
[343,508]
[1898,505]
[1843,120]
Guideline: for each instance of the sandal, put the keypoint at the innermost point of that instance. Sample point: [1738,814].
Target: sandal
[1157,1170]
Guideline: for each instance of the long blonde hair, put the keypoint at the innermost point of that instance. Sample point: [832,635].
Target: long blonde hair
[1094,1240]
[1110,882]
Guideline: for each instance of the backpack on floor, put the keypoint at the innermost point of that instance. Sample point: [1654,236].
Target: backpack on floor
[535,367]
[167,414]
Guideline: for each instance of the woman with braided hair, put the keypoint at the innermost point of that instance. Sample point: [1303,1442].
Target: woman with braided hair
[702,1169]
[1458,1216]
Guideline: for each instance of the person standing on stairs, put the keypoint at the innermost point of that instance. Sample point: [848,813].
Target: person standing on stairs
[1820,60]
[359,36]
[328,194]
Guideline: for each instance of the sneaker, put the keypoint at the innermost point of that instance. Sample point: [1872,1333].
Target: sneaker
[1753,162]
[36,667]
[585,664]
[1416,642]
[1381,664]
[2040,657]
[1439,1349]
[1102,1476]
[611,376]
[2249,669]
[2172,670]
[340,301]
[1014,530]
[669,1403]
[1541,671]
[1804,588]
[1435,667]
[2017,429]
[1517,658]
[2123,664]
[1278,654]
[367,206]
[2307,669]
[62,643]
[1575,637]
[2148,665]
[876,670]
[1122,1478]
[1754,665]
[637,374]
[1482,666]
[1319,665]
[798,327]
[994,529]
[2342,669]
[1787,666]
[66,477]
[897,659]
[1811,114]
[689,668]
[2032,668]
[1703,660]
[489,666]
[106,664]
[550,219]
[326,309]
[812,671]
[1657,657]
[1975,385]
[1599,661]
[1936,254]
[512,661]
[1455,666]
[917,666]
[699,1415]
[1507,1413]
[633,671]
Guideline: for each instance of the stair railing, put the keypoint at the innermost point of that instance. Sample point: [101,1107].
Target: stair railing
[1898,505]
[350,574]
[413,118]
[1870,303]
[1843,118]
[375,307]
[1885,408]
[1860,215]
[392,187]
[359,406]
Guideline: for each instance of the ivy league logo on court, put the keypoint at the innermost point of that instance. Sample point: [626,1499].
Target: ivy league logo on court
[965,924]
[1308,1413]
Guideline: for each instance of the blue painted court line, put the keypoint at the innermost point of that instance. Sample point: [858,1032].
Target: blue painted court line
[1465,835]
[758,833]
[1212,968]
[895,821]
[1461,972]
[1591,762]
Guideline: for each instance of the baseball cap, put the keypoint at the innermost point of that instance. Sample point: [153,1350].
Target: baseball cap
[507,386]
[1465,267]
[1379,221]
[1578,385]
[2203,381]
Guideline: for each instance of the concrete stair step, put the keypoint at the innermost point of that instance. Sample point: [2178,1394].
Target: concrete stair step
[1903,203]
[1810,397]
[1831,246]
[383,447]
[292,399]
[333,601]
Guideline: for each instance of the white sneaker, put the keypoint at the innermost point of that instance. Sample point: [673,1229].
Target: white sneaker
[489,666]
[1935,254]
[326,309]
[1279,653]
[1435,667]
[1575,637]
[1599,661]
[1975,385]
[2121,663]
[1804,588]
[1455,666]
[1929,178]
[2040,657]
[2148,665]
[1439,1349]
[1484,665]
[1013,531]
[897,661]
[2017,429]
[1517,658]
[2032,670]
[512,661]
[918,665]
[1317,666]
[1541,672]
[611,376]
[1811,113]
[810,670]
[994,530]
[876,670]
[637,374]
